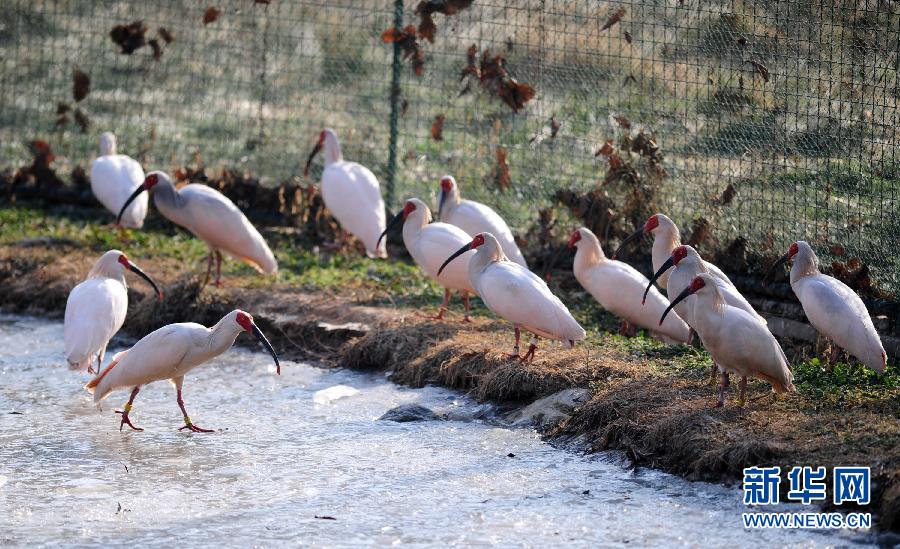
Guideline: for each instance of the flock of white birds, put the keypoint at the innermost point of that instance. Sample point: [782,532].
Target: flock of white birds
[469,250]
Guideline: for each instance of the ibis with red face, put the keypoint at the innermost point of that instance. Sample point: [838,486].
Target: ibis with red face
[428,244]
[169,353]
[475,217]
[351,193]
[516,294]
[735,339]
[212,218]
[617,287]
[833,308]
[96,309]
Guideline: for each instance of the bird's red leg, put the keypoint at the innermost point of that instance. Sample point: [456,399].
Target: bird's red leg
[723,385]
[444,306]
[529,355]
[743,385]
[515,353]
[209,262]
[187,419]
[125,419]
[466,303]
[218,269]
[712,373]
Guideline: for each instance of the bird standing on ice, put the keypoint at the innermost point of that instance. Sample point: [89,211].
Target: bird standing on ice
[113,178]
[428,243]
[474,218]
[212,218]
[666,238]
[169,353]
[617,285]
[833,308]
[737,341]
[516,294]
[96,309]
[351,193]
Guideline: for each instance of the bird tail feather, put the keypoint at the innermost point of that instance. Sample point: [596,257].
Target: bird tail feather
[92,384]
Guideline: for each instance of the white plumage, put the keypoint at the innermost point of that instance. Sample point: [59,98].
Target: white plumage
[113,178]
[96,309]
[475,217]
[834,309]
[618,287]
[352,194]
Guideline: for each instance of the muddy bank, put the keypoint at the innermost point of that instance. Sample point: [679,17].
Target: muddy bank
[642,404]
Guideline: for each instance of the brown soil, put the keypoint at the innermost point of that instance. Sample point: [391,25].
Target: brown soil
[659,418]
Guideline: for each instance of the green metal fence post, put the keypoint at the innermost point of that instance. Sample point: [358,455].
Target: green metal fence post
[395,106]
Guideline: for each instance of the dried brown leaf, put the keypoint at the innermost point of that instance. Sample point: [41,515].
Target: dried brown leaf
[605,150]
[613,19]
[81,85]
[129,37]
[727,195]
[622,120]
[760,70]
[211,14]
[437,128]
[426,8]
[62,108]
[165,35]
[627,36]
[554,127]
[81,118]
[838,250]
[41,151]
[157,49]
[515,94]
[406,39]
[501,172]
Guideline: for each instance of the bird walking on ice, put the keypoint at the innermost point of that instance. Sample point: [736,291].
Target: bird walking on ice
[212,218]
[475,217]
[351,193]
[113,178]
[666,238]
[516,294]
[833,308]
[96,309]
[617,285]
[169,353]
[737,341]
[428,243]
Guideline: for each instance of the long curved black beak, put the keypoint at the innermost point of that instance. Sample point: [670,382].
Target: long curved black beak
[137,270]
[681,297]
[663,268]
[137,192]
[441,203]
[633,236]
[456,254]
[771,271]
[393,222]
[262,339]
[312,155]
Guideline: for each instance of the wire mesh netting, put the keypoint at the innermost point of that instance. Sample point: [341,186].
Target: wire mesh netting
[764,122]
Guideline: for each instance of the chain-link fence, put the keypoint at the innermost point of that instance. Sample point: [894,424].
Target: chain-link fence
[752,123]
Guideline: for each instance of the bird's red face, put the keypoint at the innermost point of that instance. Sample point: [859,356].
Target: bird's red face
[123,259]
[125,262]
[321,138]
[793,250]
[150,181]
[678,254]
[651,223]
[692,288]
[697,284]
[408,208]
[446,184]
[576,237]
[245,321]
[477,241]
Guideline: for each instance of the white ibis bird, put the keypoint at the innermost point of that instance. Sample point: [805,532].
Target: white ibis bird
[351,193]
[428,244]
[513,292]
[737,341]
[617,285]
[666,238]
[113,178]
[833,308]
[96,308]
[212,218]
[169,353]
[474,218]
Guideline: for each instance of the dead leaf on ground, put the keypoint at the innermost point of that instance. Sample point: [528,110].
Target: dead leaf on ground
[81,118]
[437,128]
[501,172]
[41,151]
[622,120]
[554,127]
[471,68]
[129,37]
[81,85]
[157,49]
[613,19]
[760,70]
[427,8]
[210,15]
[165,35]
[700,229]
[406,39]
[627,36]
[838,250]
[727,195]
[515,94]
[605,150]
